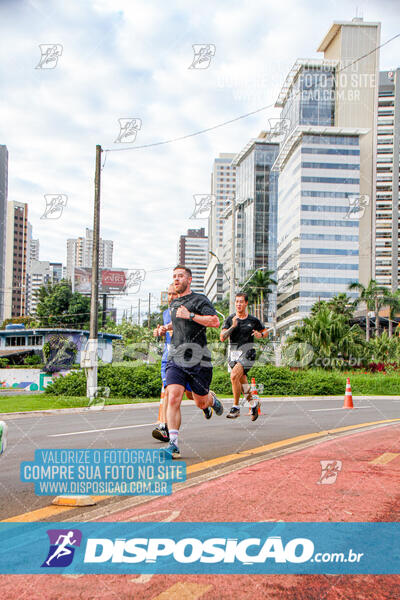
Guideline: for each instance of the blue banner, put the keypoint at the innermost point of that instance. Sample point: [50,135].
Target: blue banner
[212,548]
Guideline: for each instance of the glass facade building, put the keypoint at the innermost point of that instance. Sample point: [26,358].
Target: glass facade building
[257,211]
[311,100]
[318,227]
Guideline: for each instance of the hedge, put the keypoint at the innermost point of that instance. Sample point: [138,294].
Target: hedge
[145,382]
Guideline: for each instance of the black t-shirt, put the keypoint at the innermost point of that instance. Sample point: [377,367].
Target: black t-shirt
[189,340]
[242,334]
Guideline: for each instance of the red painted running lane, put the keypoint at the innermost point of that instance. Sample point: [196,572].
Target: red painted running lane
[283,488]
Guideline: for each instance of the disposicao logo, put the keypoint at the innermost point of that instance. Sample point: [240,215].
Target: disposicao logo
[62,547]
[190,550]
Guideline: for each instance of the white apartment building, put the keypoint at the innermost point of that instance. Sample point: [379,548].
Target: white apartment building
[388,181]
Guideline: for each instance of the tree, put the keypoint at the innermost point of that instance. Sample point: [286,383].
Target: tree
[375,297]
[59,307]
[341,304]
[393,302]
[330,335]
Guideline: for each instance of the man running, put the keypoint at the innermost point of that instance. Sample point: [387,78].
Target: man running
[160,432]
[242,328]
[189,359]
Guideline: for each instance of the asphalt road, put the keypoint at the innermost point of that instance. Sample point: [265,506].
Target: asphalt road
[200,440]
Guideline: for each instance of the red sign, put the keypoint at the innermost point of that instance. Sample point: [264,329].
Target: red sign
[113,279]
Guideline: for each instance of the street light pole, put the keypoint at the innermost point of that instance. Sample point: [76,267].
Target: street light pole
[232,278]
[91,355]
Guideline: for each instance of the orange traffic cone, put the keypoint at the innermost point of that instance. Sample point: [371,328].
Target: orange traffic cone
[348,398]
[254,393]
[160,408]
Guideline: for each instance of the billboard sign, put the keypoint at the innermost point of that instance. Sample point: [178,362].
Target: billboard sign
[111,281]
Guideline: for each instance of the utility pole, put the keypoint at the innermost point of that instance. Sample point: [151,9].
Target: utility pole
[232,279]
[148,318]
[91,354]
[139,312]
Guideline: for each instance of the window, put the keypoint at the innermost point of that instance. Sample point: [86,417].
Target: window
[35,340]
[15,340]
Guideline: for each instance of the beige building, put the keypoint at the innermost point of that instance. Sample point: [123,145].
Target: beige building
[356,105]
[17,257]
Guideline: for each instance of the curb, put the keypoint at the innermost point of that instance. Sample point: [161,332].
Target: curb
[156,403]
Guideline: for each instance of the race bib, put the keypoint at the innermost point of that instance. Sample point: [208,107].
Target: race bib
[235,355]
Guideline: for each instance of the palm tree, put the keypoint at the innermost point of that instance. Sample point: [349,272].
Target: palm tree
[374,296]
[258,285]
[341,304]
[330,335]
[393,301]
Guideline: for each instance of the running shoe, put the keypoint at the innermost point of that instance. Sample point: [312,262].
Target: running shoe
[207,412]
[234,413]
[160,433]
[173,450]
[217,406]
[254,411]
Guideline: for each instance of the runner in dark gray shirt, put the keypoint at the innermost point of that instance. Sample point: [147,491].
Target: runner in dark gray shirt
[242,328]
[189,359]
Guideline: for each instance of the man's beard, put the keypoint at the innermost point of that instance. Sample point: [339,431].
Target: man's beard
[183,287]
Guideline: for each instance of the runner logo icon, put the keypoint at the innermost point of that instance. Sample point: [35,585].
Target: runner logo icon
[62,542]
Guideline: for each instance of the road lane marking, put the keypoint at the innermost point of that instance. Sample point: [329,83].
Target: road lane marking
[184,591]
[340,408]
[52,510]
[384,459]
[97,430]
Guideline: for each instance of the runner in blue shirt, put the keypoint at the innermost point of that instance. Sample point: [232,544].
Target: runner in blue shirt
[160,432]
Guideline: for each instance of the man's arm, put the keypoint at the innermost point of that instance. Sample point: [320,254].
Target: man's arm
[205,320]
[225,333]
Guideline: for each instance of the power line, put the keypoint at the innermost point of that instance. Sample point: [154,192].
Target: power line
[206,130]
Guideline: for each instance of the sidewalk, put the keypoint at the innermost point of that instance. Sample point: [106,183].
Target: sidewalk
[284,488]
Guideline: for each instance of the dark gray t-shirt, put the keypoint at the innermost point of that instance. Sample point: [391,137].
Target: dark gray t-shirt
[189,340]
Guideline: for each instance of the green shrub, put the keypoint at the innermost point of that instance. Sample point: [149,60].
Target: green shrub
[35,359]
[145,382]
[124,382]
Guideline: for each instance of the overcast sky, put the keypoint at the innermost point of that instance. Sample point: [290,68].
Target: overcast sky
[129,59]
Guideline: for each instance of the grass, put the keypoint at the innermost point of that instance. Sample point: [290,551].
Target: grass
[42,402]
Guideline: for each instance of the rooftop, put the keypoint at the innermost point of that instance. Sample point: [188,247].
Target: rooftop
[294,72]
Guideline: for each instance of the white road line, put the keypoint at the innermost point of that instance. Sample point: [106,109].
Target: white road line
[340,408]
[97,430]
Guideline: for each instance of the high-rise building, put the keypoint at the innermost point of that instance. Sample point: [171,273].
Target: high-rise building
[79,252]
[41,272]
[193,253]
[388,181]
[327,172]
[257,212]
[3,220]
[223,186]
[16,260]
[39,275]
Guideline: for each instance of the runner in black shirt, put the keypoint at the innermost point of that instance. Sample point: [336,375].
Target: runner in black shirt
[242,328]
[189,360]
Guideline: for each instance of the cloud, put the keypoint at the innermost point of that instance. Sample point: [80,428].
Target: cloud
[124,58]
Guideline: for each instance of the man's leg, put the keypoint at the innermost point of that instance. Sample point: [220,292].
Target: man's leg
[203,397]
[175,395]
[238,380]
[237,374]
[164,406]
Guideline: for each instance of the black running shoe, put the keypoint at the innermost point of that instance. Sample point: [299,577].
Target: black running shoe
[217,406]
[207,412]
[160,433]
[234,413]
[254,411]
